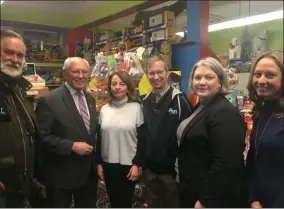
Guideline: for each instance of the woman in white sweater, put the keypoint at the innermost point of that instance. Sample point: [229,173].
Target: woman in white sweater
[121,141]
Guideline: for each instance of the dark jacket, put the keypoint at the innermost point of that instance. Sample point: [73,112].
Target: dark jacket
[161,143]
[60,125]
[211,161]
[17,133]
[265,162]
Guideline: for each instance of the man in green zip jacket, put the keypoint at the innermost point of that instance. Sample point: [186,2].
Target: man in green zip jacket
[17,124]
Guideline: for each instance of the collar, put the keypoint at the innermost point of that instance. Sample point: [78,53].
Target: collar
[21,82]
[163,92]
[71,90]
[120,103]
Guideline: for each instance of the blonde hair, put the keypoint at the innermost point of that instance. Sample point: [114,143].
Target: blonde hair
[154,59]
[217,68]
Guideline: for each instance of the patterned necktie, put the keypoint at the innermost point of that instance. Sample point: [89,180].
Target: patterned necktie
[83,111]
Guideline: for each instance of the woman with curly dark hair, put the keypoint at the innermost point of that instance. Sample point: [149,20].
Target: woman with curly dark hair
[265,161]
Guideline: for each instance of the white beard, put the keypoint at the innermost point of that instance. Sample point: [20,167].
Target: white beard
[12,72]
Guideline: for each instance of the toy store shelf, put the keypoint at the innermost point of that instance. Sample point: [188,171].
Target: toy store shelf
[46,63]
[155,29]
[101,43]
[116,38]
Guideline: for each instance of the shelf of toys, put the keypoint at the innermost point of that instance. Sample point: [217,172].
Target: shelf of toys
[105,64]
[127,50]
[48,56]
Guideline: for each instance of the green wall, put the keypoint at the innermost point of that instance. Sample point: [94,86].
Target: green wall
[219,40]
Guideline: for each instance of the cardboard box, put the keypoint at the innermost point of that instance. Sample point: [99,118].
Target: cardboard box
[168,34]
[167,18]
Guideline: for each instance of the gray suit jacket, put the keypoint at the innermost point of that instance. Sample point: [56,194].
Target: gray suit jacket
[60,125]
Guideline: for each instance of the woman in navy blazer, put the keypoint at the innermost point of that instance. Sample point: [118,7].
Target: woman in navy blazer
[265,160]
[211,144]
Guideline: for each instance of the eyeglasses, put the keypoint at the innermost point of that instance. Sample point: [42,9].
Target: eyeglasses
[159,73]
[78,72]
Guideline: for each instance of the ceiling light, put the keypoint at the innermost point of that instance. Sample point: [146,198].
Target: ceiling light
[2,2]
[244,21]
[247,21]
[180,34]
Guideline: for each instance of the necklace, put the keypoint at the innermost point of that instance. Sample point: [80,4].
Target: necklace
[258,140]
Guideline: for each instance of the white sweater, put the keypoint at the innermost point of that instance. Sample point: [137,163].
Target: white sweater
[119,132]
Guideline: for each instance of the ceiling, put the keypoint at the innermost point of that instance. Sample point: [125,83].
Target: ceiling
[65,7]
[77,13]
[69,14]
[219,11]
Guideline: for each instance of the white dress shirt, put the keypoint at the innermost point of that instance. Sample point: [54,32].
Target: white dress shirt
[74,94]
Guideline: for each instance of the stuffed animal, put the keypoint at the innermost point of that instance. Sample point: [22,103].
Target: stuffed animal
[135,68]
[232,77]
[235,49]
[260,43]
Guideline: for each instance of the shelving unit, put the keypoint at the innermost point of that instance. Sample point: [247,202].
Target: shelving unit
[155,35]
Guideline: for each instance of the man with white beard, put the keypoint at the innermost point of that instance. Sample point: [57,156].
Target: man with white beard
[17,124]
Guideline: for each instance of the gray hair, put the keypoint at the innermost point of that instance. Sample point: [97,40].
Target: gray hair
[70,60]
[10,34]
[5,33]
[217,68]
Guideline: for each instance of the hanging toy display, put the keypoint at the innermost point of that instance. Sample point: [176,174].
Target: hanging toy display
[233,82]
[232,77]
[247,116]
[101,66]
[133,63]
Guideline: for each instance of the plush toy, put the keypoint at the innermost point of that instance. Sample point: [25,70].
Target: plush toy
[235,49]
[135,68]
[232,77]
[260,43]
[101,67]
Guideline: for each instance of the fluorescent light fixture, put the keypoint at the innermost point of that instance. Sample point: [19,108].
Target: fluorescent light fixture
[244,21]
[180,34]
[2,2]
[247,21]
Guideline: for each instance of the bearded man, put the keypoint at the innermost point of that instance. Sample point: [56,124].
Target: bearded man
[17,124]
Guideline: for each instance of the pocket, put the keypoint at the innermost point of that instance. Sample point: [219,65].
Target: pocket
[6,162]
[4,113]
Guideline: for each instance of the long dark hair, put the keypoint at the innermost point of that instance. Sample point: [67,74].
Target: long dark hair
[277,56]
[127,79]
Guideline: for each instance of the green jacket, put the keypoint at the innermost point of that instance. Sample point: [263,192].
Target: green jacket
[17,132]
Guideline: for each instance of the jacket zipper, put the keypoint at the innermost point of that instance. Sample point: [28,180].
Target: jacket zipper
[23,140]
[24,107]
